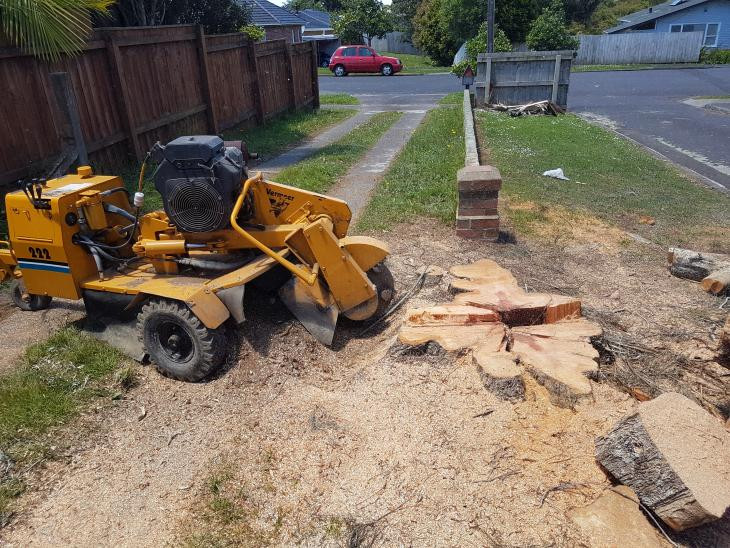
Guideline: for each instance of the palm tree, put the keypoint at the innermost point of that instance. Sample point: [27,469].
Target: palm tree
[48,28]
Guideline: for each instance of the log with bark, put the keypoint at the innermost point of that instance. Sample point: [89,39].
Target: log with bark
[725,340]
[510,332]
[711,269]
[675,456]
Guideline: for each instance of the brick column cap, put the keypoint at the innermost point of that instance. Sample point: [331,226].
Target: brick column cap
[479,178]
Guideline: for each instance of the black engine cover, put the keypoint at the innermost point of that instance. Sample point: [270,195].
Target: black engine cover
[199,179]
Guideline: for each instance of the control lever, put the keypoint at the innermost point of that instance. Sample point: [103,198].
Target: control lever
[33,189]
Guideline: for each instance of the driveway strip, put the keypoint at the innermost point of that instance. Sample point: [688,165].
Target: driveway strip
[299,153]
[358,184]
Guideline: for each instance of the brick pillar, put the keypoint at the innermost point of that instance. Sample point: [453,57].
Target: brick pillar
[477,217]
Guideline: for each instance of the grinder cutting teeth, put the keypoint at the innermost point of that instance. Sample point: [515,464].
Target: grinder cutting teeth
[183,271]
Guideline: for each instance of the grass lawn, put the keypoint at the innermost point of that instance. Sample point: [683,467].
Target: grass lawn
[338,99]
[610,178]
[321,170]
[456,98]
[599,68]
[56,379]
[422,180]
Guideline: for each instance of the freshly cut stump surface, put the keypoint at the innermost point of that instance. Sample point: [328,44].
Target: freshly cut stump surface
[675,456]
[510,331]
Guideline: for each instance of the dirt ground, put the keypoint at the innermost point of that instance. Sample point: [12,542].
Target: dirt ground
[296,443]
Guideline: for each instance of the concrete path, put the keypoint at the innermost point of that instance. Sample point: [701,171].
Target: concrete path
[299,153]
[358,184]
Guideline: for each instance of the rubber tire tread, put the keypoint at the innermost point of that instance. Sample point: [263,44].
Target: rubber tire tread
[36,302]
[209,344]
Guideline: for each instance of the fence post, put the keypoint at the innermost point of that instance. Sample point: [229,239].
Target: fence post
[122,94]
[290,75]
[556,78]
[315,75]
[205,81]
[254,64]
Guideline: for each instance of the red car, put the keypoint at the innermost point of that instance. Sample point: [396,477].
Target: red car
[362,59]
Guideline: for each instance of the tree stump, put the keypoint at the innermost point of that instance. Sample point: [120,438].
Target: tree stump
[510,331]
[675,456]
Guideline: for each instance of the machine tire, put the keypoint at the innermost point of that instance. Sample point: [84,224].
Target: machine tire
[340,71]
[34,302]
[386,70]
[197,350]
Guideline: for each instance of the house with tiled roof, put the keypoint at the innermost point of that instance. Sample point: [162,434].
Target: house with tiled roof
[279,23]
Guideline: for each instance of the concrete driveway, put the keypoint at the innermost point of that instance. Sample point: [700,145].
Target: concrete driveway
[654,107]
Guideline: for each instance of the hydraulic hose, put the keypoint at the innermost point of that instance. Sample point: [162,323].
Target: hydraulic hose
[111,208]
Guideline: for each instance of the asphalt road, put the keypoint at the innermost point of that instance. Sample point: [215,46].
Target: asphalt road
[651,107]
[646,105]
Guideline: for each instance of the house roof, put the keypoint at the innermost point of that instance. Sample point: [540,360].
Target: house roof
[315,19]
[654,12]
[266,14]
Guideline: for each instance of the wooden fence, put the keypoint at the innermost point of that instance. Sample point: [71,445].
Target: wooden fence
[516,78]
[640,47]
[135,86]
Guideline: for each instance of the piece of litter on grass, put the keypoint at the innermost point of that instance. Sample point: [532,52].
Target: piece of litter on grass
[556,174]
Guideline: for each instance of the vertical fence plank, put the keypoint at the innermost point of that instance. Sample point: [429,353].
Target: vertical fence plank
[290,75]
[205,81]
[315,75]
[258,100]
[556,78]
[122,93]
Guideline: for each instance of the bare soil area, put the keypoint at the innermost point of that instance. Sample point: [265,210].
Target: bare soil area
[296,443]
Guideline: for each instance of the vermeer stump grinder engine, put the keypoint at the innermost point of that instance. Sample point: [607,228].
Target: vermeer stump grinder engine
[183,271]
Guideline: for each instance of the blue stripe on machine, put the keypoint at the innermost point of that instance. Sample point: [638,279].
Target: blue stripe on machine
[37,265]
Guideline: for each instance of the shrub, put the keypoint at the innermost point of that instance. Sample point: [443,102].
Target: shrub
[715,56]
[254,32]
[477,45]
[549,32]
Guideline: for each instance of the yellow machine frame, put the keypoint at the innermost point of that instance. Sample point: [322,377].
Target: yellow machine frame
[302,231]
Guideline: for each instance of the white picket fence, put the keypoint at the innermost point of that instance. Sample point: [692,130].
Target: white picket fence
[639,47]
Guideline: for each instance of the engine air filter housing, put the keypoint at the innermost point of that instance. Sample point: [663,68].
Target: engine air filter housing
[199,179]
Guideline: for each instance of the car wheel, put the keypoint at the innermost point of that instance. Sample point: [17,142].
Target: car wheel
[386,70]
[340,70]
[325,64]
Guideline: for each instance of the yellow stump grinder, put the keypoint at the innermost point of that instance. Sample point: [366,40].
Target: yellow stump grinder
[183,270]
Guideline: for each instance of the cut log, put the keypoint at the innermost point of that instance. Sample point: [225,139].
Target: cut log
[694,265]
[717,282]
[675,456]
[615,519]
[450,314]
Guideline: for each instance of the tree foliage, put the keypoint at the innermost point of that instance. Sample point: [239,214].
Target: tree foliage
[581,11]
[216,16]
[478,44]
[403,13]
[368,18]
[431,33]
[321,5]
[549,32]
[48,28]
[464,17]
